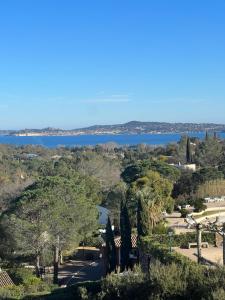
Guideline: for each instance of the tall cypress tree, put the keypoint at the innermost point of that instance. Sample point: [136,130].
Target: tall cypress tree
[142,218]
[110,248]
[125,231]
[188,151]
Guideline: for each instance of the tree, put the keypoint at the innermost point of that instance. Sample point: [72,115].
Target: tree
[199,205]
[110,248]
[53,212]
[209,153]
[188,151]
[139,169]
[112,201]
[213,188]
[206,174]
[153,195]
[125,232]
[141,218]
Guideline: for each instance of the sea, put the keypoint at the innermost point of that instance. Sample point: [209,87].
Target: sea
[91,140]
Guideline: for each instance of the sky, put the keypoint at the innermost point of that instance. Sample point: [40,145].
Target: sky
[75,63]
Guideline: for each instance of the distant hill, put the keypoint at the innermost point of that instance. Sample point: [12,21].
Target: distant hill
[133,127]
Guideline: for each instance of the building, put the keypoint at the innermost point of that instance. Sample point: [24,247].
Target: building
[117,240]
[103,215]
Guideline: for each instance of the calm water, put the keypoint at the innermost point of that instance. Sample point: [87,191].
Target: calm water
[56,141]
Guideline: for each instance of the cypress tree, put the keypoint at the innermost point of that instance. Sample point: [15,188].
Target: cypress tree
[206,136]
[110,248]
[188,151]
[125,231]
[141,226]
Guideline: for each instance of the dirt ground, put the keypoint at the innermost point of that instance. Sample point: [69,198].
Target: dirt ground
[177,223]
[212,254]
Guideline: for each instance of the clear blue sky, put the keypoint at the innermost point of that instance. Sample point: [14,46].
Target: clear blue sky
[72,63]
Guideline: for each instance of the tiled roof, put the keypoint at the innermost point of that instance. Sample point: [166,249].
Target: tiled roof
[5,280]
[117,241]
[133,241]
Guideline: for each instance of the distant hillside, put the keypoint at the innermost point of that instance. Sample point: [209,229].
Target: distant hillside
[133,127]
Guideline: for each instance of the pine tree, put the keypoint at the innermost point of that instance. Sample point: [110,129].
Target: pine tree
[125,231]
[110,248]
[188,152]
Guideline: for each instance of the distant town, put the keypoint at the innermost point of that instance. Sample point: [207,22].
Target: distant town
[133,127]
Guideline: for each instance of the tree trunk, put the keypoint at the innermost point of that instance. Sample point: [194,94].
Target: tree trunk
[223,234]
[56,262]
[60,257]
[199,242]
[37,265]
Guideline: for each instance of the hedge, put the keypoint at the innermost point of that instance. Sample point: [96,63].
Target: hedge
[161,252]
[182,240]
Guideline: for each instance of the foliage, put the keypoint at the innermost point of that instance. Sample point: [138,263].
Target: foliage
[168,281]
[141,168]
[28,226]
[160,228]
[153,194]
[113,198]
[12,292]
[189,182]
[209,153]
[26,284]
[213,188]
[178,240]
[188,152]
[206,174]
[199,205]
[184,212]
[110,248]
[125,232]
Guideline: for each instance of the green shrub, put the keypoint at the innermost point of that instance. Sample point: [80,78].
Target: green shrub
[184,212]
[22,275]
[180,240]
[161,252]
[12,292]
[199,205]
[130,285]
[160,228]
[28,282]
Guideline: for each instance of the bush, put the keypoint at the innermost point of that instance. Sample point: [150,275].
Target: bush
[184,212]
[12,292]
[180,240]
[160,228]
[165,281]
[199,205]
[22,275]
[129,285]
[27,283]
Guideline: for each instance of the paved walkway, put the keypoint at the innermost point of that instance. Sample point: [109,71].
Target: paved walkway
[75,271]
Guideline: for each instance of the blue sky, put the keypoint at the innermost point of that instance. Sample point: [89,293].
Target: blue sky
[72,63]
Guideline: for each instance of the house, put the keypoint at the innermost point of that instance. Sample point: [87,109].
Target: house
[103,215]
[133,254]
[190,167]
